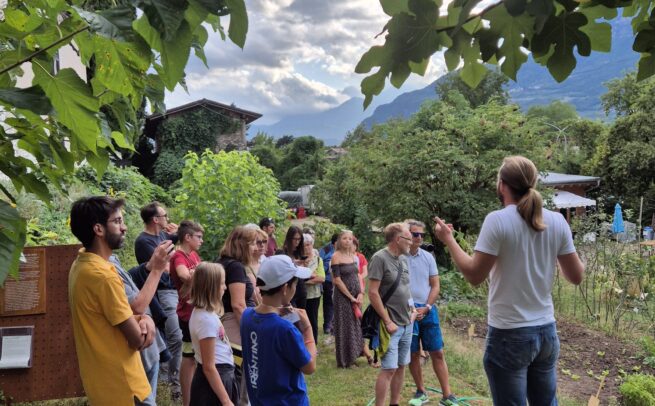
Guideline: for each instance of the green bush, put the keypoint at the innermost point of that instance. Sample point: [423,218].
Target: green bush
[225,189]
[324,230]
[50,225]
[453,287]
[458,309]
[638,390]
[168,168]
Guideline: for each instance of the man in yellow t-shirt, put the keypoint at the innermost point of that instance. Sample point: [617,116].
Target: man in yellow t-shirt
[108,336]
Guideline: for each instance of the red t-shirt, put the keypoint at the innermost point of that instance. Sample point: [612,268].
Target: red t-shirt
[362,263]
[184,308]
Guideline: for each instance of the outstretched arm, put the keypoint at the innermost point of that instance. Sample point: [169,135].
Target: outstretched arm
[475,268]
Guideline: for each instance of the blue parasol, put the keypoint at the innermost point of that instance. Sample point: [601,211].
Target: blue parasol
[617,223]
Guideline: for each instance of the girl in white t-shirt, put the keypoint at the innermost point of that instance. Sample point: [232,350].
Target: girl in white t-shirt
[213,382]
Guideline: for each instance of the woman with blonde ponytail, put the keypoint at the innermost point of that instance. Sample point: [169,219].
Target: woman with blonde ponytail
[519,248]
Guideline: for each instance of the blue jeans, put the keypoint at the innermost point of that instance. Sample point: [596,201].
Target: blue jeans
[328,307]
[151,374]
[522,363]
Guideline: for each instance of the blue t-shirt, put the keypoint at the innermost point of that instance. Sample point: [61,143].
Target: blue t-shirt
[273,353]
[326,254]
[421,267]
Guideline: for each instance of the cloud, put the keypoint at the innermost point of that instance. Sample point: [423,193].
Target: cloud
[299,57]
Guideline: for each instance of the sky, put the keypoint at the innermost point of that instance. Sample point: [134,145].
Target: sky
[299,58]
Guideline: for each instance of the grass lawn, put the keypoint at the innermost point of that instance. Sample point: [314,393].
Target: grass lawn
[330,386]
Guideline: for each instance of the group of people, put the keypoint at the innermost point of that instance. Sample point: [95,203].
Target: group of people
[218,329]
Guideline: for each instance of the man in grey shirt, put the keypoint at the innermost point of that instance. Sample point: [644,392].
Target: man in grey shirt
[139,300]
[397,313]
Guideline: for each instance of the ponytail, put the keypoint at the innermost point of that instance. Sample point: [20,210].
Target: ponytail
[520,174]
[530,208]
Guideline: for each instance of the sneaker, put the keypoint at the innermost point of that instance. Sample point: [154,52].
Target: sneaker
[451,400]
[420,398]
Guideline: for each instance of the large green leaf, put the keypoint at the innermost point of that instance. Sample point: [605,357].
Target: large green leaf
[12,240]
[174,56]
[33,99]
[238,21]
[165,15]
[121,65]
[646,66]
[513,30]
[564,32]
[73,102]
[115,23]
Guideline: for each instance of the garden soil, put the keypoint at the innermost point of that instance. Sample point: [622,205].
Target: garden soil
[585,353]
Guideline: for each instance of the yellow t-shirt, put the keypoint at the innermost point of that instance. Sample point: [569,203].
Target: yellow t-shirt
[112,372]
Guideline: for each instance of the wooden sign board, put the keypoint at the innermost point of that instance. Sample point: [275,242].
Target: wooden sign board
[27,294]
[53,371]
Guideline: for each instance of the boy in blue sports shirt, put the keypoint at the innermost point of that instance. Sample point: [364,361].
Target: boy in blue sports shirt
[277,340]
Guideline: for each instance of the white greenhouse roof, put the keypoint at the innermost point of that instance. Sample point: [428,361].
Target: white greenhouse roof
[567,200]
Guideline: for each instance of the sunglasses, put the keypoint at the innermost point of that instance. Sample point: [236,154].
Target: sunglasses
[261,242]
[416,234]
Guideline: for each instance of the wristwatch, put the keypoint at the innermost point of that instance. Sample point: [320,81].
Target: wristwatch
[429,306]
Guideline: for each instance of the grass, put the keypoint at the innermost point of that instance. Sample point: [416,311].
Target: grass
[331,386]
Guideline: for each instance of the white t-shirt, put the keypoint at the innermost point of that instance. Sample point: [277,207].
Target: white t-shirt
[521,281]
[204,324]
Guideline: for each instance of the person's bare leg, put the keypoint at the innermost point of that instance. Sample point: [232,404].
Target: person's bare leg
[382,385]
[441,370]
[187,369]
[416,371]
[397,385]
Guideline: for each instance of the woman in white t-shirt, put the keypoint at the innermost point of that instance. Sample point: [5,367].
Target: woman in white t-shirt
[214,382]
[519,248]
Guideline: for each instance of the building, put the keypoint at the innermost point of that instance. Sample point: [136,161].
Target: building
[570,191]
[150,146]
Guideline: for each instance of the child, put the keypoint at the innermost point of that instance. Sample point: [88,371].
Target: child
[213,382]
[271,342]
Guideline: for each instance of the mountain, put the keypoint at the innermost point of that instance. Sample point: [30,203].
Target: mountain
[331,125]
[534,84]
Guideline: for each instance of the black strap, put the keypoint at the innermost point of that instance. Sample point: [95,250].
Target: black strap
[393,287]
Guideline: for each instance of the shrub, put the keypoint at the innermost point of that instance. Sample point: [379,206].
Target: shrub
[225,189]
[638,390]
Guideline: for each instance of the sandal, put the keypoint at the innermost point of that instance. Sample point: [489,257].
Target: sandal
[372,363]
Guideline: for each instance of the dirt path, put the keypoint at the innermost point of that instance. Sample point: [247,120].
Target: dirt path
[584,355]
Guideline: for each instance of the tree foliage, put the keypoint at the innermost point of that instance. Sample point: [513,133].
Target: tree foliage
[626,154]
[295,162]
[425,166]
[502,33]
[225,189]
[131,50]
[491,87]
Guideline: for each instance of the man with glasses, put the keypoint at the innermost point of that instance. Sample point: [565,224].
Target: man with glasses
[424,285]
[108,336]
[268,225]
[156,230]
[388,270]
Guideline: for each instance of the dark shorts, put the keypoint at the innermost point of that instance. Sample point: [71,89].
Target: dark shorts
[427,331]
[202,392]
[187,348]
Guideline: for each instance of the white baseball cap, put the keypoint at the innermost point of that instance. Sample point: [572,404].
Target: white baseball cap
[279,269]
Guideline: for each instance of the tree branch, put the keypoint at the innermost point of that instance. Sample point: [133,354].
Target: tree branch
[472,17]
[9,195]
[42,50]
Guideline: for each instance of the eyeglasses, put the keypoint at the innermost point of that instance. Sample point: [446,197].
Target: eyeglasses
[198,236]
[416,234]
[118,221]
[296,239]
[162,215]
[261,242]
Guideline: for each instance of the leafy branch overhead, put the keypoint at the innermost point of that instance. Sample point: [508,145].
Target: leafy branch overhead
[131,51]
[502,33]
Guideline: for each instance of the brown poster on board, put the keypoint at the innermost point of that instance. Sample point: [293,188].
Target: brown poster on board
[26,295]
